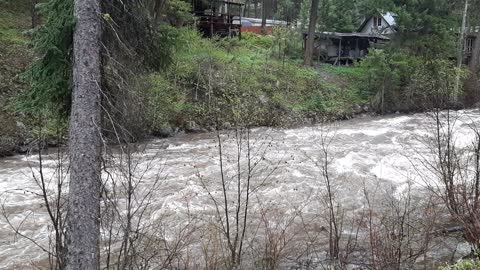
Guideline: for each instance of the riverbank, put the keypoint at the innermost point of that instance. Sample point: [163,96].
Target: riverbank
[18,145]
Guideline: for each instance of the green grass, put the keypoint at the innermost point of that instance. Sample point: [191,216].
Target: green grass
[13,36]
[13,22]
[243,71]
[346,71]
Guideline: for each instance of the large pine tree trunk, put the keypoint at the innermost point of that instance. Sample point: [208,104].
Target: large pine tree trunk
[307,59]
[83,219]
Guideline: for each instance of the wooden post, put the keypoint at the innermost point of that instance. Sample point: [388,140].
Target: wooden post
[34,13]
[229,19]
[339,52]
[357,50]
[240,28]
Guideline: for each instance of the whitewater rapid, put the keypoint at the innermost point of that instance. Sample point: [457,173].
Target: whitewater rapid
[365,151]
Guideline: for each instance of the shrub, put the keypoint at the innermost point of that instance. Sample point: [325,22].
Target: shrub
[463,265]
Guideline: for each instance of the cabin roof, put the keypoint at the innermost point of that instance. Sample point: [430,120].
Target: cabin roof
[256,21]
[232,3]
[389,17]
[345,35]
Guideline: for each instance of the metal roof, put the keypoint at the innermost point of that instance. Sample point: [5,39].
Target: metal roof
[232,3]
[389,17]
[341,35]
[257,21]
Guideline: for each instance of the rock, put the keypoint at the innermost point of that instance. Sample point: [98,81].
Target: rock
[21,126]
[22,149]
[179,131]
[52,142]
[191,126]
[165,132]
[357,109]
[7,145]
[366,108]
[263,99]
[227,125]
[210,128]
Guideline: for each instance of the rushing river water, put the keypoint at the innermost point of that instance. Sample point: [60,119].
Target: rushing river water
[382,152]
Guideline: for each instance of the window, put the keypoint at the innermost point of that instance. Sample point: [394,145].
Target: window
[377,21]
[469,44]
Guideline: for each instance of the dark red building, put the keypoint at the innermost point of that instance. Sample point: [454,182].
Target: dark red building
[216,18]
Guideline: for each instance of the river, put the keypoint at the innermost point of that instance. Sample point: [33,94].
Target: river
[372,152]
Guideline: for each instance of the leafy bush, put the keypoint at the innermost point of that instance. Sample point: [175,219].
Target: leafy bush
[432,85]
[400,81]
[179,12]
[385,74]
[165,103]
[463,265]
[254,41]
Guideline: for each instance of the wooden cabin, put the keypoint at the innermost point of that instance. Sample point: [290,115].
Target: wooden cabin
[216,17]
[343,48]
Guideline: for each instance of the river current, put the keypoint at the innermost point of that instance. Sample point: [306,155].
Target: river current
[368,151]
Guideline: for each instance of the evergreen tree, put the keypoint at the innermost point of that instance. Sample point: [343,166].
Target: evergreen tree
[49,76]
[427,27]
[339,16]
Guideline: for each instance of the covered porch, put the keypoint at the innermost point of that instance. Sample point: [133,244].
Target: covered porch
[342,48]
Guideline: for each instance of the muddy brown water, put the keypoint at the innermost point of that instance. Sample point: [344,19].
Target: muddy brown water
[381,151]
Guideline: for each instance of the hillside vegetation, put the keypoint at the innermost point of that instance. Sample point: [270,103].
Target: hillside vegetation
[177,80]
[261,76]
[249,75]
[14,57]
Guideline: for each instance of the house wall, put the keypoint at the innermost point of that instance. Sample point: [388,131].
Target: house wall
[325,46]
[257,29]
[371,29]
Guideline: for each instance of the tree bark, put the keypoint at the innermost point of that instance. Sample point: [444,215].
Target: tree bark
[307,59]
[264,16]
[34,13]
[83,219]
